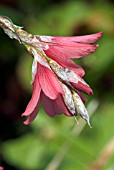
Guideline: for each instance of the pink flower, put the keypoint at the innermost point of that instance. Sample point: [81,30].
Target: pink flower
[57,80]
[47,89]
[46,86]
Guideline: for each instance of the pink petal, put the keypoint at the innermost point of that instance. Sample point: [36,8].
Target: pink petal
[72,50]
[83,87]
[33,114]
[64,61]
[77,69]
[35,97]
[49,83]
[81,96]
[54,107]
[80,39]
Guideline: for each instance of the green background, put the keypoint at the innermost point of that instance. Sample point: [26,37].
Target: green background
[34,147]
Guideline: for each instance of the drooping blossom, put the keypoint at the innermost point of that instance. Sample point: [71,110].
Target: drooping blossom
[57,81]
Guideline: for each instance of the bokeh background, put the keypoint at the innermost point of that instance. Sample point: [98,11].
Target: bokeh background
[51,144]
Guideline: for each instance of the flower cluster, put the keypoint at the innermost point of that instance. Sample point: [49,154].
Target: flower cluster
[56,79]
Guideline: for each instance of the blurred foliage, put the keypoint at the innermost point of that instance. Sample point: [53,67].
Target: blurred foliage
[33,147]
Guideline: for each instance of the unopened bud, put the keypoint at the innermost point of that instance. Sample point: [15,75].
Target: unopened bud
[81,110]
[67,97]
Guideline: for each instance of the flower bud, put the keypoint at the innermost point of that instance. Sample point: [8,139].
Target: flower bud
[67,97]
[81,110]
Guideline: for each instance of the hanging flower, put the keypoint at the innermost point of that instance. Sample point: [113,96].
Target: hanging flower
[56,79]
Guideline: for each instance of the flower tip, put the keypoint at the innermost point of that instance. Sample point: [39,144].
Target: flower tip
[89,124]
[87,120]
[26,122]
[90,92]
[95,46]
[22,115]
[100,34]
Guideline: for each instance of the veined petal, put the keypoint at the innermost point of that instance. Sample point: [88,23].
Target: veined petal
[80,39]
[69,76]
[48,82]
[72,50]
[64,61]
[33,114]
[54,107]
[35,98]
[74,46]
[83,87]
